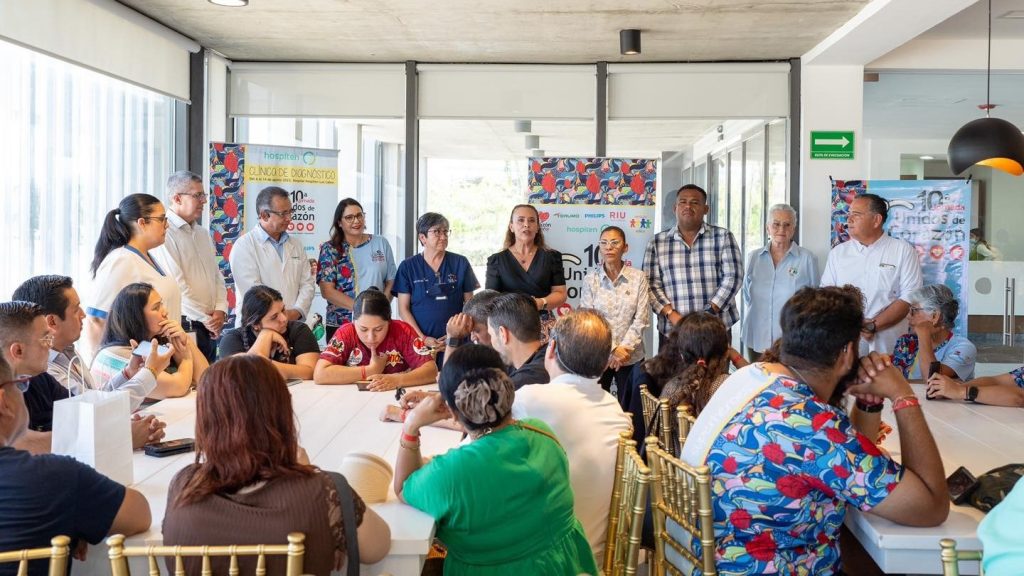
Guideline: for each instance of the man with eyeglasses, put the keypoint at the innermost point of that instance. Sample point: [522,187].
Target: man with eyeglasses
[189,256]
[693,266]
[885,269]
[268,255]
[28,341]
[46,496]
[62,310]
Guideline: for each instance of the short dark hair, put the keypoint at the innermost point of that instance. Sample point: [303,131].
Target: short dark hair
[16,317]
[49,291]
[127,319]
[583,342]
[479,306]
[518,314]
[266,197]
[373,302]
[692,187]
[613,229]
[818,323]
[427,221]
[877,204]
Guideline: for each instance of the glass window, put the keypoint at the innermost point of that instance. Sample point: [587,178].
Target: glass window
[735,224]
[753,172]
[720,187]
[74,143]
[777,172]
[474,171]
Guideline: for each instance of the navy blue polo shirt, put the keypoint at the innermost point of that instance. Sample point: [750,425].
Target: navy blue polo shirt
[435,297]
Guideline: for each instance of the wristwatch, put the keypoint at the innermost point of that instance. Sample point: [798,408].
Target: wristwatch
[972,394]
[871,327]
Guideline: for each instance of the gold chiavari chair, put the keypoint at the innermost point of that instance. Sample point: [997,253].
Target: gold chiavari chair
[684,422]
[57,553]
[681,503]
[662,424]
[295,551]
[626,511]
[951,558]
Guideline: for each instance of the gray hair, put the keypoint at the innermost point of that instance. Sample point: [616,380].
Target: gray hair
[937,298]
[180,182]
[583,341]
[266,196]
[428,221]
[783,208]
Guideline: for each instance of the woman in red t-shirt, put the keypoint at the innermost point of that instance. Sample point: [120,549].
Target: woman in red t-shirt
[374,348]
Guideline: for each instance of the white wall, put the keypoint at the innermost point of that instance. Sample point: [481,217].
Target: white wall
[831,98]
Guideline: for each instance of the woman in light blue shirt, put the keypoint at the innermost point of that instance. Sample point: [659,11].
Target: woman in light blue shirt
[774,273]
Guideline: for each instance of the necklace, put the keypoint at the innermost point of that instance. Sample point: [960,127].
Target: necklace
[798,375]
[527,254]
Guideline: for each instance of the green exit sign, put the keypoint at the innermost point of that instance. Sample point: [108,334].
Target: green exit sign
[832,145]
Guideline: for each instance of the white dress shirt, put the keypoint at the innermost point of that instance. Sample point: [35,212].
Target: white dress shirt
[188,255]
[256,259]
[887,270]
[625,303]
[587,421]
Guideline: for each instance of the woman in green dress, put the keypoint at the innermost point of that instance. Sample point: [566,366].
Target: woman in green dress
[502,503]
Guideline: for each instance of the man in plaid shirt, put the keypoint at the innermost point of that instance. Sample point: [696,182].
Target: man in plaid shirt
[694,266]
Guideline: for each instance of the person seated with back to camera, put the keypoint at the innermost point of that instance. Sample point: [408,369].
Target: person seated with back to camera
[138,314]
[503,502]
[267,332]
[251,472]
[703,346]
[779,502]
[672,359]
[386,353]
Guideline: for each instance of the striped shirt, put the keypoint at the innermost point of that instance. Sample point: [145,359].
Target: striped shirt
[691,278]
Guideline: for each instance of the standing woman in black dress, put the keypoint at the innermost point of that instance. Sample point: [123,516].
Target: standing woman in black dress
[528,266]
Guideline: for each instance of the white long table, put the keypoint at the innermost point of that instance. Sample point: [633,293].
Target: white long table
[971,435]
[333,421]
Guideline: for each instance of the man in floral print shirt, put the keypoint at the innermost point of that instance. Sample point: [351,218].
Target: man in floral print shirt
[785,462]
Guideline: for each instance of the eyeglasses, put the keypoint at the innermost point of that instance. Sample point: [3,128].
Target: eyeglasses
[610,243]
[353,217]
[21,383]
[440,232]
[161,219]
[198,197]
[283,213]
[916,309]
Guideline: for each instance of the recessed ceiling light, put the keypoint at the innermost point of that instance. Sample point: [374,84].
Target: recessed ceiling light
[230,3]
[927,157]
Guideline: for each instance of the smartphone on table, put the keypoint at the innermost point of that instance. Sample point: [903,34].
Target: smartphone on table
[960,484]
[170,447]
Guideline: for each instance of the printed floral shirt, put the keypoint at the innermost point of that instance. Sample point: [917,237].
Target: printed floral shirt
[402,348]
[336,269]
[1018,376]
[956,352]
[783,470]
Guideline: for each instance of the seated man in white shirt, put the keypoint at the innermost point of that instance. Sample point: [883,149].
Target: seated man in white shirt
[586,419]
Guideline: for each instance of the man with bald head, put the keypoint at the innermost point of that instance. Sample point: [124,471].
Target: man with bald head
[586,419]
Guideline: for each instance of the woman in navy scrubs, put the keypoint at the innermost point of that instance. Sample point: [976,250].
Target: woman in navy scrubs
[432,286]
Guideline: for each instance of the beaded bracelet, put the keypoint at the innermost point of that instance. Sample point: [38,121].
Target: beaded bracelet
[905,402]
[410,437]
[409,446]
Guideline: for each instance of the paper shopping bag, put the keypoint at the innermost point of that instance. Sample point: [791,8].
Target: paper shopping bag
[95,429]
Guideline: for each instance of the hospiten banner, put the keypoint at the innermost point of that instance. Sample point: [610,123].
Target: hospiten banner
[577,198]
[237,174]
[933,215]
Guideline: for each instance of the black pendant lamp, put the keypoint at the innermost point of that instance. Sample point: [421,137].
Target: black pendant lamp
[988,141]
